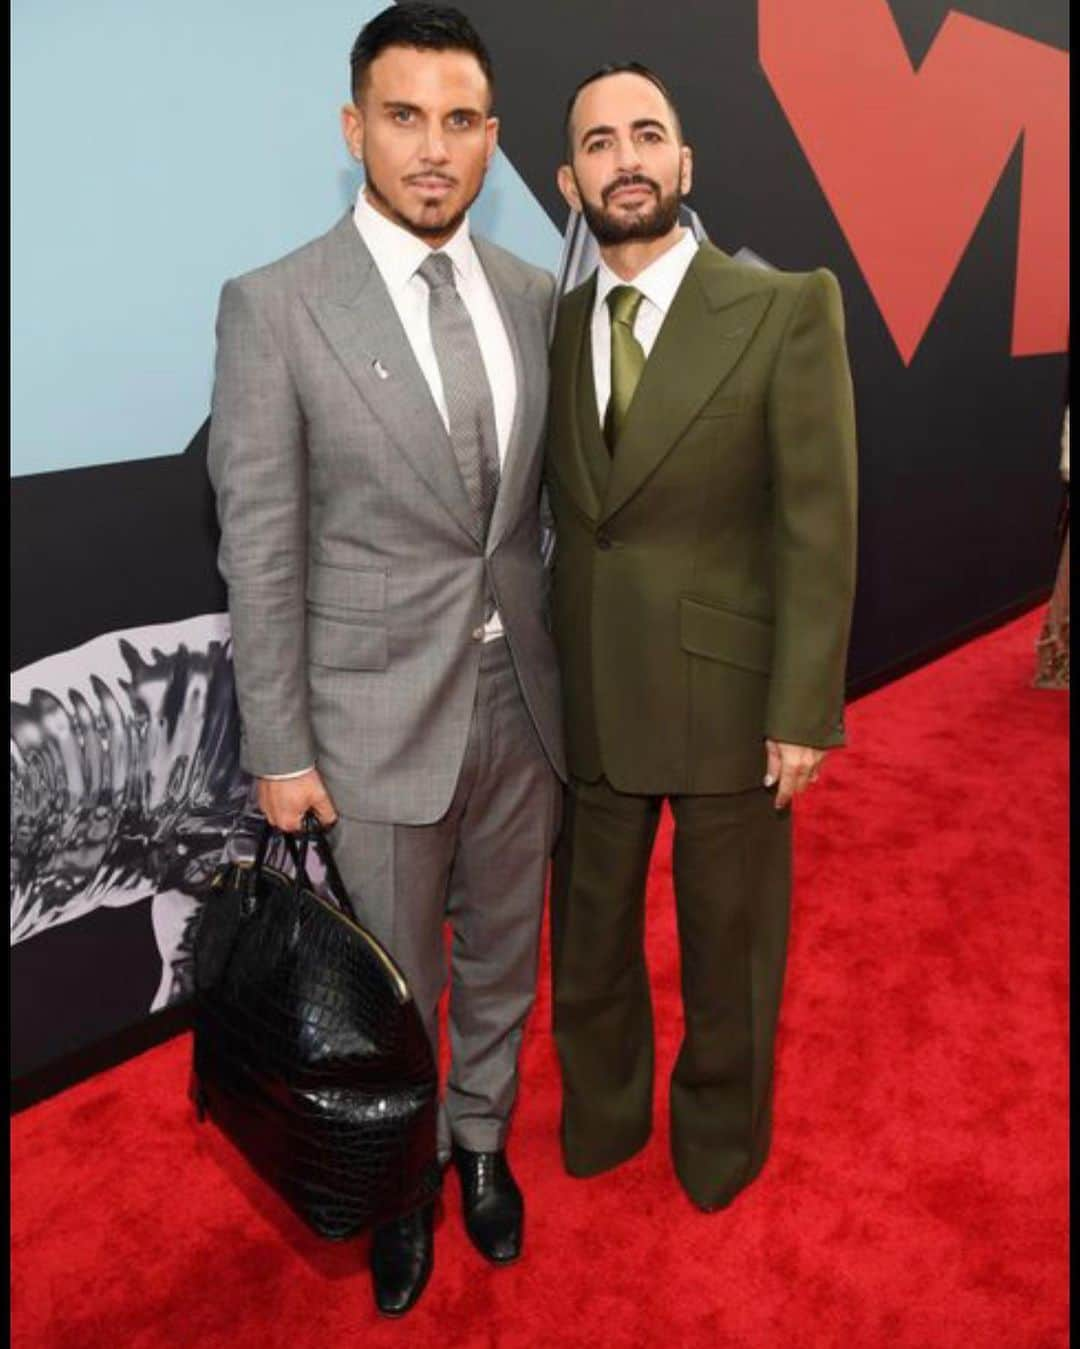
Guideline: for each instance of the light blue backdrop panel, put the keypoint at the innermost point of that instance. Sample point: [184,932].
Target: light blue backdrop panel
[157,150]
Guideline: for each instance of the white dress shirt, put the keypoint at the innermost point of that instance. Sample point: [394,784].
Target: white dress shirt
[658,283]
[397,254]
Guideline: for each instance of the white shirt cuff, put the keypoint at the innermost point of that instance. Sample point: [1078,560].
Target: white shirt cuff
[284,777]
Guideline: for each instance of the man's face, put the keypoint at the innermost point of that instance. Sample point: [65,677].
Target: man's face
[424,136]
[628,171]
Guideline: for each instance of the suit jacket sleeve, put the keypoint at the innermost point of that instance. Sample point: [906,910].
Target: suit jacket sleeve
[811,427]
[257,466]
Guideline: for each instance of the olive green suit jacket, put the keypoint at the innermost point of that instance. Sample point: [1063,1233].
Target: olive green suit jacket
[705,570]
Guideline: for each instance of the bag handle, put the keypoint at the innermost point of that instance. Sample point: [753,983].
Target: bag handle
[311,832]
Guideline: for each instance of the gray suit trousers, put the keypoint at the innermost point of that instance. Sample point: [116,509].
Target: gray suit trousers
[482,867]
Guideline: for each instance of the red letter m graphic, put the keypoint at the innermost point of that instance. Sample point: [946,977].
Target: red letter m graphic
[909,159]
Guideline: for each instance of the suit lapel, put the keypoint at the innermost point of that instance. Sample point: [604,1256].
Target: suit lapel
[525,335]
[710,323]
[571,367]
[357,316]
[590,434]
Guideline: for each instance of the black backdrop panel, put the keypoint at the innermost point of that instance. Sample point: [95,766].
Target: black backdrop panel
[103,549]
[75,967]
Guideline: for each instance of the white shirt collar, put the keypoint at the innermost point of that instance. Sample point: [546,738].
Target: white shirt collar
[659,281]
[397,253]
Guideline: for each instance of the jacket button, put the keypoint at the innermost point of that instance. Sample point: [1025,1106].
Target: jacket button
[478,634]
[603,542]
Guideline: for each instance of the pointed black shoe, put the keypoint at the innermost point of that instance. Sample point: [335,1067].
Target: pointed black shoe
[494,1208]
[402,1258]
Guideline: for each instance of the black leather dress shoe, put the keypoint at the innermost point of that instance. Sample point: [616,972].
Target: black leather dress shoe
[402,1257]
[494,1208]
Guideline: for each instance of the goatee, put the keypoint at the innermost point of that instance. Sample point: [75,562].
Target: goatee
[417,227]
[647,224]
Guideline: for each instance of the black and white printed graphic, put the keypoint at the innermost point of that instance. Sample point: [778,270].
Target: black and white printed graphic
[125,782]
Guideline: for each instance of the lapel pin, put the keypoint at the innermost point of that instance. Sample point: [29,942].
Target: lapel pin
[380,369]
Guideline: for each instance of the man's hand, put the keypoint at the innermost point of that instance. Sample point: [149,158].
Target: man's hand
[285,801]
[794,767]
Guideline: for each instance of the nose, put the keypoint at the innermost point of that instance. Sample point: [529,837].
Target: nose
[627,158]
[435,151]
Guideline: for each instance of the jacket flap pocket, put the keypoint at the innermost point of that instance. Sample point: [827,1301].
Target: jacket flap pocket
[345,645]
[723,635]
[346,587]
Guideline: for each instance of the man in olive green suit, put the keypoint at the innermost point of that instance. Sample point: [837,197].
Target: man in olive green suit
[701,475]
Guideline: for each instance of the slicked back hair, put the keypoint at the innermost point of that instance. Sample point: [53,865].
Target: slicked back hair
[618,68]
[426,27]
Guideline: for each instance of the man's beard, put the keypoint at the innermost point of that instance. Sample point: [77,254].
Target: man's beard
[646,224]
[417,227]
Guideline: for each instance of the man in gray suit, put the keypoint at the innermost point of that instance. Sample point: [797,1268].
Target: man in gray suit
[375,447]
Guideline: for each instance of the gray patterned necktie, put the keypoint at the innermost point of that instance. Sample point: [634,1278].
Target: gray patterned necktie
[469,404]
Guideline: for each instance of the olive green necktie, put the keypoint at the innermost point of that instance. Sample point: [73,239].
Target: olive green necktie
[627,358]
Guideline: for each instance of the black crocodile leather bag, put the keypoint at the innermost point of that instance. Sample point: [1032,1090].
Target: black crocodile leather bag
[309,1051]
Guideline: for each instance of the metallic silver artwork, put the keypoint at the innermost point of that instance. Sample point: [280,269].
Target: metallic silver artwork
[125,782]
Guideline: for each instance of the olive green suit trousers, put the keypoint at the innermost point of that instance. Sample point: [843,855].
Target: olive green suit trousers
[701,602]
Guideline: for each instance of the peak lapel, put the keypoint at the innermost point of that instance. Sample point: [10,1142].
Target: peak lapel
[708,327]
[357,317]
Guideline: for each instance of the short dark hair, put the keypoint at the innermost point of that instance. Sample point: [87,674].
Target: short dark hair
[619,68]
[412,24]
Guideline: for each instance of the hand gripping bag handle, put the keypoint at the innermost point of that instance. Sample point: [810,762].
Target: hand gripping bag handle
[310,833]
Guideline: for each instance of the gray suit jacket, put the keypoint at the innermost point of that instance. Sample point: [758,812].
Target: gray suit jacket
[355,573]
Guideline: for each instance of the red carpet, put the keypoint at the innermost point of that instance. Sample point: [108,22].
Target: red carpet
[916,1196]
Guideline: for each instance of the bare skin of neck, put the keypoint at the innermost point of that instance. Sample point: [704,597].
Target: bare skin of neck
[629,259]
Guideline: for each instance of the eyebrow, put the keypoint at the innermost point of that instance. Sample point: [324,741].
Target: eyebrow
[394,104]
[639,124]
